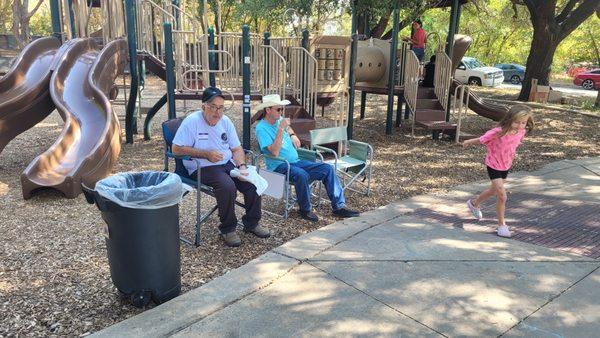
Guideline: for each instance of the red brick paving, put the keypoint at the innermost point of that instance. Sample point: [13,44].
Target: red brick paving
[568,225]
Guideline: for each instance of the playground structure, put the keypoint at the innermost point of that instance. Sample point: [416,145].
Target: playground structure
[163,39]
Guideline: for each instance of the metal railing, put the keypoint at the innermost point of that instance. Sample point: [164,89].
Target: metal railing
[302,70]
[443,77]
[231,43]
[401,62]
[283,45]
[150,19]
[274,66]
[460,107]
[190,46]
[411,84]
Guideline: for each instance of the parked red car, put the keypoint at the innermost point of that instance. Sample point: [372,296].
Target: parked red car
[588,80]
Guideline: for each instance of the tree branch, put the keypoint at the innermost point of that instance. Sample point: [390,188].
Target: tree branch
[30,14]
[566,10]
[578,16]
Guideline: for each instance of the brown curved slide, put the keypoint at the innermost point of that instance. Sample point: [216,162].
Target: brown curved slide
[476,103]
[24,96]
[90,143]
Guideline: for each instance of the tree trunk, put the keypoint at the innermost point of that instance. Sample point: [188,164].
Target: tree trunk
[544,43]
[377,31]
[549,30]
[597,104]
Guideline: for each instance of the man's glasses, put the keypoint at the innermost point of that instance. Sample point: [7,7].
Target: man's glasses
[215,108]
[279,110]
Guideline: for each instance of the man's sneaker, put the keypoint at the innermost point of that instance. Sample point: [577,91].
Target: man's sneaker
[259,231]
[309,216]
[231,239]
[503,231]
[475,211]
[345,213]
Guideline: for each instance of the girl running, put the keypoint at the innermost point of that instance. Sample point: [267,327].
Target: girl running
[501,142]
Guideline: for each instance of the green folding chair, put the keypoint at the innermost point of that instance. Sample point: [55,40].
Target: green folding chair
[354,161]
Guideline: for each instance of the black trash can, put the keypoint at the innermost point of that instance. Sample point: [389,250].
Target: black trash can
[141,210]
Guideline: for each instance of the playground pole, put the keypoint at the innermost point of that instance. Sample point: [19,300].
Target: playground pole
[304,72]
[352,76]
[211,56]
[55,13]
[266,42]
[306,45]
[71,19]
[392,71]
[246,86]
[133,72]
[452,29]
[170,69]
[150,115]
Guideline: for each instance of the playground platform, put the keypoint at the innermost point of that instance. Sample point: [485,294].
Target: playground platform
[417,267]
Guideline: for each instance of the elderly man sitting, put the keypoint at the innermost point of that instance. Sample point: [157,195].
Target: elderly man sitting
[276,138]
[210,136]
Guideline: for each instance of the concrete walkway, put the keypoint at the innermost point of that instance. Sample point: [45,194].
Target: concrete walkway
[391,272]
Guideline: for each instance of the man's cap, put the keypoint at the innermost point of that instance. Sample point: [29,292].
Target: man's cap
[210,93]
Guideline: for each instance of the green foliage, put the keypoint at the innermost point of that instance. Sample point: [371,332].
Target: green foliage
[501,35]
[41,21]
[581,46]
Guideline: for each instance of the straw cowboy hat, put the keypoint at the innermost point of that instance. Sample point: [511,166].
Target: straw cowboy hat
[272,100]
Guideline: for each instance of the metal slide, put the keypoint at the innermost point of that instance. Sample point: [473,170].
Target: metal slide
[24,96]
[476,104]
[90,141]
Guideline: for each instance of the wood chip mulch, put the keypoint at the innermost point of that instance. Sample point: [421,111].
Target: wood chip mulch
[54,274]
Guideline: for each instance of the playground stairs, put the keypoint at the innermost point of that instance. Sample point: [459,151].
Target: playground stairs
[301,121]
[430,113]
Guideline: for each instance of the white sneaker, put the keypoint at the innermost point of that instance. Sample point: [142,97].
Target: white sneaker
[475,211]
[503,231]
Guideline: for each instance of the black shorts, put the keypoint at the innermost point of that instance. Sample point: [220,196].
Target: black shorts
[495,174]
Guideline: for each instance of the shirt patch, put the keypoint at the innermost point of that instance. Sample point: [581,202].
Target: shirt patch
[203,136]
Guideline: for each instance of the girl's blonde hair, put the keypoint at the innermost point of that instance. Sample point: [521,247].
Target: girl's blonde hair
[516,112]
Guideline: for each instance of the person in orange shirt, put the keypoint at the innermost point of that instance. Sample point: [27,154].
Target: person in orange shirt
[418,39]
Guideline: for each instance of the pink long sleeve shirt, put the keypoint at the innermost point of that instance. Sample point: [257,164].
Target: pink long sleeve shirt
[501,150]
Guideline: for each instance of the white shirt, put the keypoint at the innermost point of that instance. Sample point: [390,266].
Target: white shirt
[195,132]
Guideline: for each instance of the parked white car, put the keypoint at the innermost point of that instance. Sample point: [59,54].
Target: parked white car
[475,73]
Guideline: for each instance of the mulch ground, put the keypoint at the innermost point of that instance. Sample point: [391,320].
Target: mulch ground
[54,274]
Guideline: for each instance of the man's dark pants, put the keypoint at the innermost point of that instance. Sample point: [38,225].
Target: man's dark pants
[226,187]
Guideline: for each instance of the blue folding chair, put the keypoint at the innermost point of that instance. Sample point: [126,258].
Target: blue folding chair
[169,129]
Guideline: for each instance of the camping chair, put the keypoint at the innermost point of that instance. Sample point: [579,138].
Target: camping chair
[279,184]
[356,157]
[169,129]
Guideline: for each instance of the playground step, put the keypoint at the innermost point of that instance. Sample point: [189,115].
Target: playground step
[296,112]
[429,104]
[301,126]
[424,115]
[437,125]
[426,93]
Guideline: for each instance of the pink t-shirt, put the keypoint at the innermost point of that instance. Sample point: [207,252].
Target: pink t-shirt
[500,150]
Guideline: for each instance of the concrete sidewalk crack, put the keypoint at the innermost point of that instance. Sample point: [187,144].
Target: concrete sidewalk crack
[377,300]
[548,302]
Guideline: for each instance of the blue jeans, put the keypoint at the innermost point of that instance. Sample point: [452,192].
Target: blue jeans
[419,52]
[303,172]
